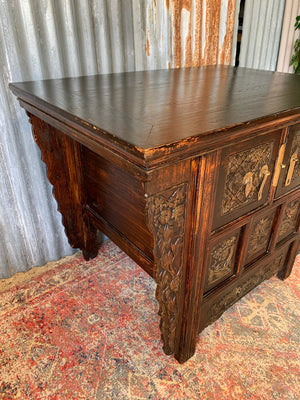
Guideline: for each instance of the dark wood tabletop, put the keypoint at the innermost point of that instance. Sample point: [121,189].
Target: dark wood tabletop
[149,109]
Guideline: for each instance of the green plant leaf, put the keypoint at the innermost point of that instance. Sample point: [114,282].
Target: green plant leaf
[295,60]
[297,23]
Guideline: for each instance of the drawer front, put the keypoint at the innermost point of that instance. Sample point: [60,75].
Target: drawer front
[289,177]
[245,177]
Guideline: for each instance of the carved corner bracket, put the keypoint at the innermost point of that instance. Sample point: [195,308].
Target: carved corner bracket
[61,154]
[166,213]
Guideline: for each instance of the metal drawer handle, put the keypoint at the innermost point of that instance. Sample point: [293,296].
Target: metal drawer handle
[264,173]
[293,162]
[248,181]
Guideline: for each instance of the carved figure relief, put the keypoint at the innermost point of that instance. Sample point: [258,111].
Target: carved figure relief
[260,236]
[289,220]
[239,166]
[167,219]
[221,260]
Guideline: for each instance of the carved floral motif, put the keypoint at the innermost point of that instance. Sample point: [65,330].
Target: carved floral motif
[260,236]
[239,164]
[167,216]
[221,260]
[289,220]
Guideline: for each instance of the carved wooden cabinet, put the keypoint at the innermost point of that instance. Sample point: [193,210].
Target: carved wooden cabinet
[194,173]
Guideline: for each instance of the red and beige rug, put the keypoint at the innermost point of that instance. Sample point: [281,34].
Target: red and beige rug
[89,330]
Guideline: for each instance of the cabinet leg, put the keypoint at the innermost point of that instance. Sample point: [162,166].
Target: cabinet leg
[90,243]
[172,325]
[180,243]
[286,271]
[167,212]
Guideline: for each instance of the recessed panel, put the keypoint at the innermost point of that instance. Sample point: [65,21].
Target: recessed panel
[222,260]
[260,235]
[245,177]
[288,223]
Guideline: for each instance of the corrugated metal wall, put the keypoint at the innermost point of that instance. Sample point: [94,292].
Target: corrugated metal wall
[288,36]
[56,38]
[261,33]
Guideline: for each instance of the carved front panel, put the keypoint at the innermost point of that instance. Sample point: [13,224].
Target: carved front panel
[289,220]
[244,178]
[260,236]
[167,217]
[221,261]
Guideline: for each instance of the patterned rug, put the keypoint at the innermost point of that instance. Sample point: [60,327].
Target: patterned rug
[89,330]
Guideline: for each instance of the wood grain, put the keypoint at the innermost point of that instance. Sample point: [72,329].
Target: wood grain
[155,108]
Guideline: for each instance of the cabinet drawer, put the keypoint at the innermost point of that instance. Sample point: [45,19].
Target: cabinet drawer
[245,177]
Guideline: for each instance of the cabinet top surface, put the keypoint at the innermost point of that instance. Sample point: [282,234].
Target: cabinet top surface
[150,109]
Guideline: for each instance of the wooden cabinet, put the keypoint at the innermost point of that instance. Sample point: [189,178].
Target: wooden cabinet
[197,179]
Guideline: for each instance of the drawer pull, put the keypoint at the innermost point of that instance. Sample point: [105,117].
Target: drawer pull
[248,181]
[264,173]
[293,161]
[279,166]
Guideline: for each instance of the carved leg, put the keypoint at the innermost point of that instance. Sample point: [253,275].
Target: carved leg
[180,243]
[61,155]
[167,212]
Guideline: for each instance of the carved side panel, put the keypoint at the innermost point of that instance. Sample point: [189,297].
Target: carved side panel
[289,220]
[239,164]
[217,308]
[221,262]
[167,221]
[260,236]
[61,155]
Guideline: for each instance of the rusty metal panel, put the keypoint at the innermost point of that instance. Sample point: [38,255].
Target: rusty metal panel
[288,36]
[261,34]
[200,32]
[41,39]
